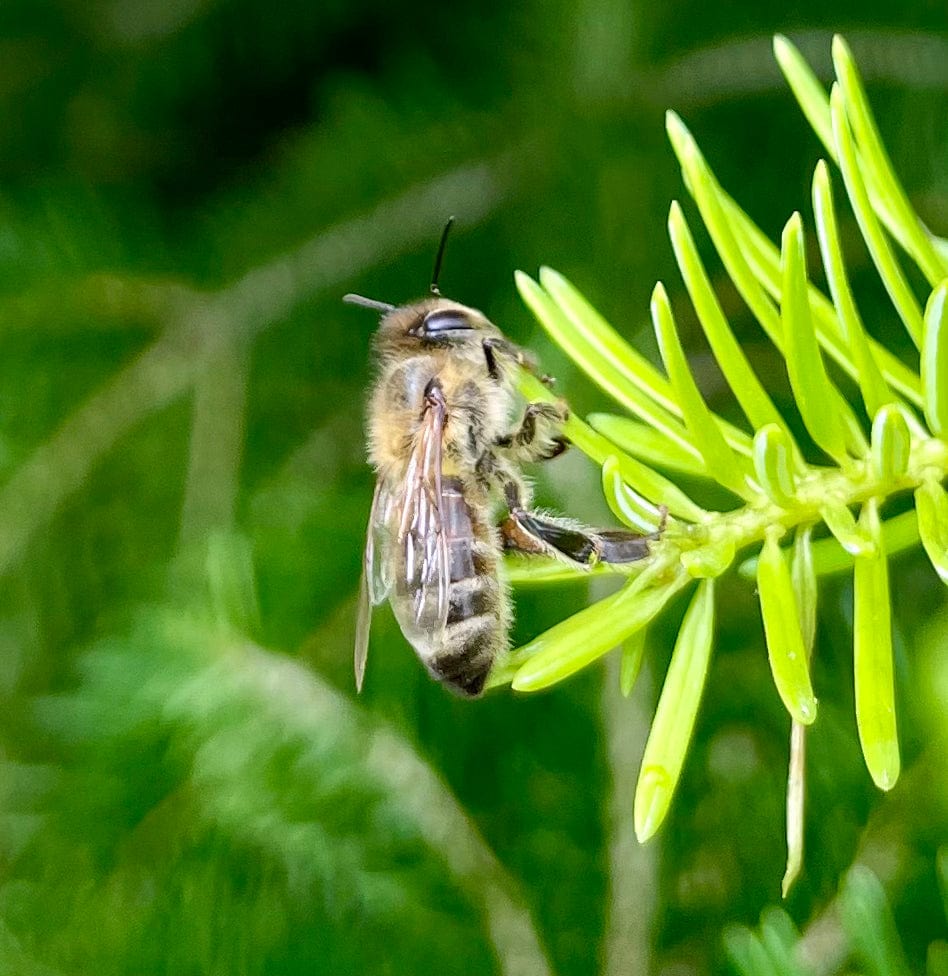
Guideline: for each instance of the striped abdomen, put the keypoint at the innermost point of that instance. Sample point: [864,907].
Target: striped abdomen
[478,617]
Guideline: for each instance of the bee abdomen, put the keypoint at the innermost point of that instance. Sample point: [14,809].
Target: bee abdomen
[468,652]
[476,628]
[472,597]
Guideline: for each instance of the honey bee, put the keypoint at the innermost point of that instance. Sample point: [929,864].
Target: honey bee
[445,454]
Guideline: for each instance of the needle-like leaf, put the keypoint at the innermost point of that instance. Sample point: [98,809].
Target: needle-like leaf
[645,443]
[633,652]
[579,640]
[878,168]
[931,503]
[872,384]
[803,578]
[867,920]
[747,953]
[599,334]
[891,444]
[814,101]
[747,388]
[603,341]
[872,657]
[648,482]
[796,777]
[601,367]
[773,465]
[785,647]
[840,521]
[703,187]
[882,256]
[738,243]
[806,88]
[818,400]
[722,463]
[624,502]
[763,257]
[532,571]
[675,715]
[934,362]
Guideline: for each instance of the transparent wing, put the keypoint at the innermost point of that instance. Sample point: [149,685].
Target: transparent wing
[421,535]
[363,623]
[376,582]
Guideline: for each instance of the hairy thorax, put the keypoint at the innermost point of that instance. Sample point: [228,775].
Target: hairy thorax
[478,410]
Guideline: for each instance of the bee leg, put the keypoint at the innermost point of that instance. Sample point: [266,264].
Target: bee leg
[496,345]
[525,531]
[622,546]
[531,442]
[529,532]
[490,345]
[524,360]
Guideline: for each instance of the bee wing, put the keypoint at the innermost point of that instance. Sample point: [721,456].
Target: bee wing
[376,582]
[421,532]
[363,622]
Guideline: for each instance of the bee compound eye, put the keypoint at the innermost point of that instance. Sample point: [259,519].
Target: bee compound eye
[443,322]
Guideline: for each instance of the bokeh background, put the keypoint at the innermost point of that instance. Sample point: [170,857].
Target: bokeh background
[188,783]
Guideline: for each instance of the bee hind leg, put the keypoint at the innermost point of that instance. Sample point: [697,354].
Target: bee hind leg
[545,535]
[536,534]
[622,546]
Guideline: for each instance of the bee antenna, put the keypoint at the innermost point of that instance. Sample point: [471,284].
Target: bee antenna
[351,299]
[439,257]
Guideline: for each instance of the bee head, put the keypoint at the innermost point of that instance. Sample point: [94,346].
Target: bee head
[431,322]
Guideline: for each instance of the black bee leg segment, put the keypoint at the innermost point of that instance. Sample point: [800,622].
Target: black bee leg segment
[523,359]
[554,413]
[495,346]
[621,546]
[489,346]
[523,531]
[528,532]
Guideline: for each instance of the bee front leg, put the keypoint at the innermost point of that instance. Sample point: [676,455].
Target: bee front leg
[494,345]
[535,440]
[490,347]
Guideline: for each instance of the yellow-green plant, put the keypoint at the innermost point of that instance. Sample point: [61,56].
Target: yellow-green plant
[892,443]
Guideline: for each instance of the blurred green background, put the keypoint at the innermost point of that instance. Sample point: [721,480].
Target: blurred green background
[188,783]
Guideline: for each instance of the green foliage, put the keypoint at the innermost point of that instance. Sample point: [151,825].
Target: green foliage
[867,935]
[215,726]
[782,486]
[188,782]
